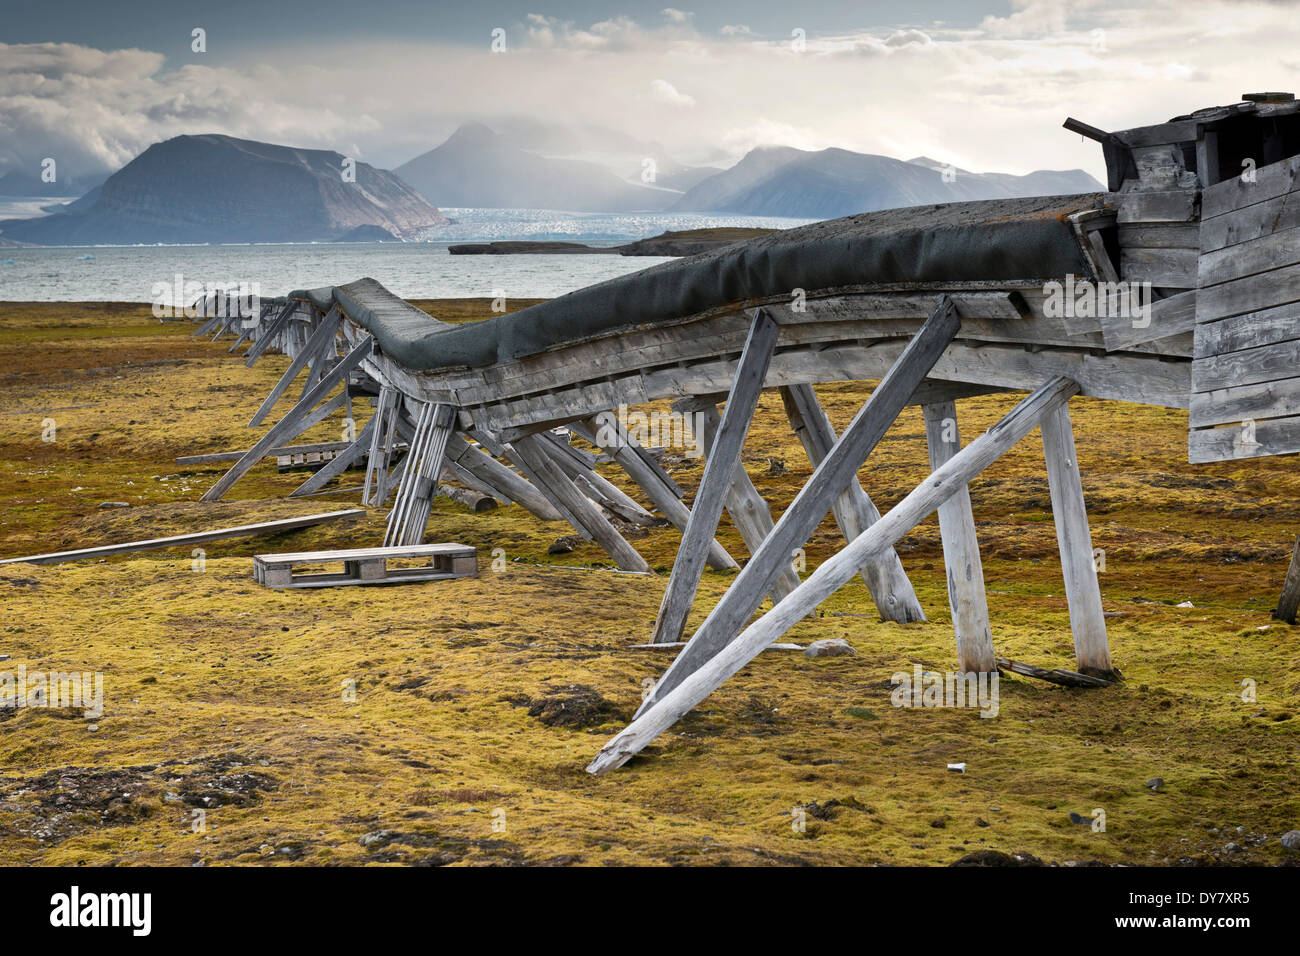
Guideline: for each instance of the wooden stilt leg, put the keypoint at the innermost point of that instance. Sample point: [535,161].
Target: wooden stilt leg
[854,510]
[719,471]
[833,574]
[961,550]
[815,498]
[1074,539]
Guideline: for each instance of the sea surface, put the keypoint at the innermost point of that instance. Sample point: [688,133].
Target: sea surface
[413,270]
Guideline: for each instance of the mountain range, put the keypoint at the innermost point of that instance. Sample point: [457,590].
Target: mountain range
[215,188]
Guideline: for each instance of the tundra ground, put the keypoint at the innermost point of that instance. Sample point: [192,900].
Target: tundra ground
[478,702]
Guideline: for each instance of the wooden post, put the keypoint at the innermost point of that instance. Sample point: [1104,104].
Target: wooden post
[380,427]
[748,509]
[1290,600]
[1074,540]
[719,471]
[854,510]
[815,498]
[961,549]
[832,574]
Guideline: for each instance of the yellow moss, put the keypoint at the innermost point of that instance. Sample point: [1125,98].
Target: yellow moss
[233,681]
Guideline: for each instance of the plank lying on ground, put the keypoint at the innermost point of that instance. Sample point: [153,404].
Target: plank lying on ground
[218,457]
[1063,677]
[678,645]
[194,537]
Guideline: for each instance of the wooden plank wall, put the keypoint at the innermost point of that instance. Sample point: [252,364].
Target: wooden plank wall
[1246,366]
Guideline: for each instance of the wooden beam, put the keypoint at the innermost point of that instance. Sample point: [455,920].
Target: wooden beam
[1074,540]
[587,518]
[290,425]
[854,510]
[719,476]
[265,527]
[381,440]
[961,550]
[1063,677]
[832,574]
[815,499]
[748,509]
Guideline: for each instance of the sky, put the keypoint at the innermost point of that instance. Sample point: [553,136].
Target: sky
[983,85]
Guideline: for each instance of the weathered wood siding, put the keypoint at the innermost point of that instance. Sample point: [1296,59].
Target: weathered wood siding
[1246,366]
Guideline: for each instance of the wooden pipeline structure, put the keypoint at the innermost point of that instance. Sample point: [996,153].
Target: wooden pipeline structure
[1179,287]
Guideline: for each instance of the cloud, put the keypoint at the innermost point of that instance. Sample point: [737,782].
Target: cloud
[990,96]
[665,92]
[677,16]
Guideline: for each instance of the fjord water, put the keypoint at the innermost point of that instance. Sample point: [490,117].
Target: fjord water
[412,270]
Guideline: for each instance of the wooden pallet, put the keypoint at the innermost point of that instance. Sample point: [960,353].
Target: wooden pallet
[366,566]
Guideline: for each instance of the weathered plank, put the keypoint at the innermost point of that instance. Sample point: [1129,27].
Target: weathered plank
[1245,402]
[1278,324]
[1278,436]
[961,550]
[1168,268]
[1251,222]
[1074,541]
[194,537]
[719,471]
[1268,182]
[1263,363]
[1250,294]
[1250,257]
[1175,205]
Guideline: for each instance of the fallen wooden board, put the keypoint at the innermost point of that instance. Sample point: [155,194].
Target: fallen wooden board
[1063,677]
[678,645]
[266,527]
[222,456]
